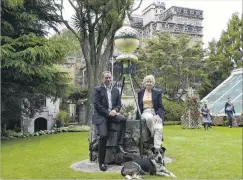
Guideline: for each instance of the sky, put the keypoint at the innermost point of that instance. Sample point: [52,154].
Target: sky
[216,13]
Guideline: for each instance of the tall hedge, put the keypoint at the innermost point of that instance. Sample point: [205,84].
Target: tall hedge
[172,110]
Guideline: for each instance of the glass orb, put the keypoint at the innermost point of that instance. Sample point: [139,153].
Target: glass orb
[126,39]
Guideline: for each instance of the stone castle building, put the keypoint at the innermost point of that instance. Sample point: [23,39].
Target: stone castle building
[46,118]
[176,20]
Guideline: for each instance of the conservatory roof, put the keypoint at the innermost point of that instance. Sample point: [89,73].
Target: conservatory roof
[231,87]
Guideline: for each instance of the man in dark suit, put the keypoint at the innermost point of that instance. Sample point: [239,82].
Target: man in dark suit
[107,104]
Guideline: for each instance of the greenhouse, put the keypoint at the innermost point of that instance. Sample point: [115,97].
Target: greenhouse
[231,87]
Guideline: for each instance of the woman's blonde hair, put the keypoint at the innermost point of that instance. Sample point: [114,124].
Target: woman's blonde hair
[149,77]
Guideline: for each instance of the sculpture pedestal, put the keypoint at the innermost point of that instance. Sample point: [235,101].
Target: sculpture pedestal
[131,142]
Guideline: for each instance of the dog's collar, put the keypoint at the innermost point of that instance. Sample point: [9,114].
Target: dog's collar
[157,162]
[153,161]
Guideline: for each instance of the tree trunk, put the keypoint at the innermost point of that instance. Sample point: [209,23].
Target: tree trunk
[92,82]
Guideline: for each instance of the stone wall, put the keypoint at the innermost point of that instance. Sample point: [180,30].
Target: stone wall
[131,142]
[220,121]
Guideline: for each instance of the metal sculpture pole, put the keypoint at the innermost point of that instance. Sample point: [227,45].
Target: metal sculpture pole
[140,119]
[131,79]
[126,40]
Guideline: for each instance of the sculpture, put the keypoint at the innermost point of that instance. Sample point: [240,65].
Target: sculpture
[126,40]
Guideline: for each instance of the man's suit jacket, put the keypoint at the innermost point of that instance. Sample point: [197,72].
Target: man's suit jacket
[156,100]
[101,104]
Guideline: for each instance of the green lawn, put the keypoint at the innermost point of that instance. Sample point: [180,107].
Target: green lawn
[196,154]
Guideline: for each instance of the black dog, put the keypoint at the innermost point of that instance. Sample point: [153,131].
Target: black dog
[153,165]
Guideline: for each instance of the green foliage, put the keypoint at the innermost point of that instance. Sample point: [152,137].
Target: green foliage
[173,110]
[218,64]
[128,111]
[76,128]
[226,123]
[172,123]
[69,41]
[27,58]
[10,134]
[28,71]
[62,115]
[13,3]
[175,61]
[94,25]
[19,17]
[77,94]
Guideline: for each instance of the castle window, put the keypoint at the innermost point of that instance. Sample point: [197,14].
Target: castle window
[185,28]
[43,102]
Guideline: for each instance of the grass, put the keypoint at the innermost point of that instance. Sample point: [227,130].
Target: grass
[196,154]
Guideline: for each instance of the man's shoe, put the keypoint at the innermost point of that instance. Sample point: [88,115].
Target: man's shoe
[102,167]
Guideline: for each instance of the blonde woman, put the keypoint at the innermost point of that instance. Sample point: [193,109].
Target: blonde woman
[150,105]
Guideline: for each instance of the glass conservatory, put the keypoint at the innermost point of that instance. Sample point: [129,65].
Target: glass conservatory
[231,87]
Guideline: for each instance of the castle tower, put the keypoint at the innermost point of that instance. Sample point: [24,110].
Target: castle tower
[151,12]
[159,8]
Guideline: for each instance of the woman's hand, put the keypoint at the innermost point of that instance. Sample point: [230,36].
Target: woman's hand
[157,119]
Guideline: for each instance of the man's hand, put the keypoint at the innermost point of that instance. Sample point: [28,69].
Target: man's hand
[113,113]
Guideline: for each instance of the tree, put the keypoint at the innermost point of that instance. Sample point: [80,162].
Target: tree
[77,94]
[95,23]
[28,72]
[175,61]
[69,41]
[230,43]
[218,63]
[25,16]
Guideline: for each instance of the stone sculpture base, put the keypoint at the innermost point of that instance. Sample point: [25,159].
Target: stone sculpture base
[131,142]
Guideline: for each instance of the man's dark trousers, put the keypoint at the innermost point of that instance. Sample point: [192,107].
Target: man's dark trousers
[230,117]
[103,134]
[101,117]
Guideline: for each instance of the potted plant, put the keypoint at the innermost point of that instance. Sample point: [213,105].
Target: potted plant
[61,118]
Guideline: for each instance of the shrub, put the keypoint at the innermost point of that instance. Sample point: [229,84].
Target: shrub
[76,128]
[172,110]
[226,123]
[73,128]
[128,111]
[172,123]
[62,115]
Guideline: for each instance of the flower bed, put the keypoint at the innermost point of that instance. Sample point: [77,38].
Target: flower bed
[10,134]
